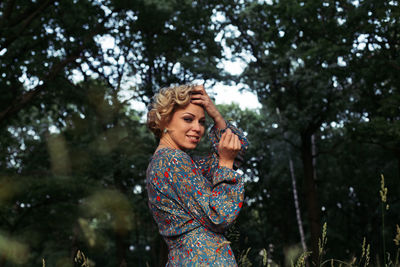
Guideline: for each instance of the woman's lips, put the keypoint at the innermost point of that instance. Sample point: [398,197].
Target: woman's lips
[194,139]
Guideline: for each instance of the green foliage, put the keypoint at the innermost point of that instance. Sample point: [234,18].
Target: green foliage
[117,42]
[310,64]
[75,149]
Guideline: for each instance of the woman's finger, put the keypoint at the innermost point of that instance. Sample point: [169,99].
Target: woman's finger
[198,96]
[198,101]
[199,89]
[222,139]
[238,145]
[228,137]
[232,143]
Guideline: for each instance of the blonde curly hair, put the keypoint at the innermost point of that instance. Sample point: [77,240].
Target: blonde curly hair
[164,103]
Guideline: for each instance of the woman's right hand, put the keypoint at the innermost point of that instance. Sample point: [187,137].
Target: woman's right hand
[228,148]
[200,97]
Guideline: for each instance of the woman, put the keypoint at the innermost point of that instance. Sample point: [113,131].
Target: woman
[193,200]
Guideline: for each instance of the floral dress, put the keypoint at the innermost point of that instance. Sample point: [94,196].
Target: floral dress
[193,200]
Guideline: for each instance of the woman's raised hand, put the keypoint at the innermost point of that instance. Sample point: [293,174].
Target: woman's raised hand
[200,97]
[228,148]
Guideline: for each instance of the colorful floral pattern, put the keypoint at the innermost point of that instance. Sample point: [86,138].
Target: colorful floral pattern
[193,200]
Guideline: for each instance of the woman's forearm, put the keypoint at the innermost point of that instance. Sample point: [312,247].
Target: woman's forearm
[219,122]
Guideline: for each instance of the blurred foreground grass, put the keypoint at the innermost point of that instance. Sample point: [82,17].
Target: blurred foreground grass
[18,253]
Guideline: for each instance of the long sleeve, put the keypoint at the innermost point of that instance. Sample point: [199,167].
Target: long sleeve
[215,205]
[208,164]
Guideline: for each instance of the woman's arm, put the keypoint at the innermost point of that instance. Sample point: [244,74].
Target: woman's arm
[207,164]
[215,204]
[200,97]
[215,137]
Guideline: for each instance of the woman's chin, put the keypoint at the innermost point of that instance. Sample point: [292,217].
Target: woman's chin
[191,146]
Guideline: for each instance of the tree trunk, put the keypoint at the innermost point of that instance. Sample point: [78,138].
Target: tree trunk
[159,251]
[74,245]
[2,260]
[295,195]
[163,255]
[297,206]
[398,165]
[311,193]
[121,248]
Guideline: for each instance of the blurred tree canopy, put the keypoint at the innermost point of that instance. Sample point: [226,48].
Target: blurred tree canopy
[74,75]
[310,64]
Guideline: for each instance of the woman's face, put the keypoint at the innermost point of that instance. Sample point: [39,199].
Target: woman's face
[187,126]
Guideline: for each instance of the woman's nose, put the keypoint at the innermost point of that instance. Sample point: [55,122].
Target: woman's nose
[197,127]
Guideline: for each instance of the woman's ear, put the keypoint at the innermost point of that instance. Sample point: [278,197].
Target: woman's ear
[164,127]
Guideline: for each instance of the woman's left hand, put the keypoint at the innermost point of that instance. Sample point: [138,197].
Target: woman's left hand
[200,97]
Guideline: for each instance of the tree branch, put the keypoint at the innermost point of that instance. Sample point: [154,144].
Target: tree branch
[22,101]
[8,10]
[25,23]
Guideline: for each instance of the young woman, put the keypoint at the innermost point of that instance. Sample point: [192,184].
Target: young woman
[194,200]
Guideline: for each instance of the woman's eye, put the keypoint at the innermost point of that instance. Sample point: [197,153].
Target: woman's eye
[188,119]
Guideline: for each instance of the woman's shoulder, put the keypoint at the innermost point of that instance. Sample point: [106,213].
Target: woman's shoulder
[169,160]
[168,155]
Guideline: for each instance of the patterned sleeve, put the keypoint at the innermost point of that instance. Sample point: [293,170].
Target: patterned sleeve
[207,165]
[214,204]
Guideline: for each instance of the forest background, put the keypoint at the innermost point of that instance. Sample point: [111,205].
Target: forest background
[74,149]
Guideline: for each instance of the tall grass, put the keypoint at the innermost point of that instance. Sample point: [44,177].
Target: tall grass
[364,259]
[297,258]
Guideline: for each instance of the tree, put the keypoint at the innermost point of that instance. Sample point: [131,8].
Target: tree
[43,47]
[76,151]
[375,110]
[301,71]
[60,74]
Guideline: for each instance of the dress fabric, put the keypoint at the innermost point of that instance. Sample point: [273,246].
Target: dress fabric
[193,201]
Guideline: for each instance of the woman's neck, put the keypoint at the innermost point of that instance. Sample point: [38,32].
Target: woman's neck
[166,141]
